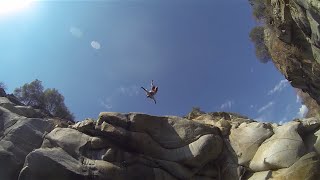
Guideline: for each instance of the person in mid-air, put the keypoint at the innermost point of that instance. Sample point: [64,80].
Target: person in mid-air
[153,91]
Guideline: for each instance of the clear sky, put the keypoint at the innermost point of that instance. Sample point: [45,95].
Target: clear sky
[99,53]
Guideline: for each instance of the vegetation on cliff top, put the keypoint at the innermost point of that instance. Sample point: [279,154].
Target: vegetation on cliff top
[2,85]
[257,36]
[49,100]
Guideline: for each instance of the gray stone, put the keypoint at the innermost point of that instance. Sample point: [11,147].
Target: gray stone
[195,154]
[246,139]
[261,175]
[114,150]
[306,168]
[169,132]
[30,112]
[2,93]
[19,137]
[26,111]
[316,144]
[281,150]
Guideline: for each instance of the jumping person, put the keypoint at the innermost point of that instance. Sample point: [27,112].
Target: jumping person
[150,94]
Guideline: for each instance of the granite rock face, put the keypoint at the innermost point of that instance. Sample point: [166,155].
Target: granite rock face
[21,131]
[292,36]
[128,146]
[281,150]
[206,146]
[141,146]
[247,138]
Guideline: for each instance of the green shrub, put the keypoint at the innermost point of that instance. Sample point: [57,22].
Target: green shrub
[3,86]
[49,100]
[30,94]
[257,37]
[260,10]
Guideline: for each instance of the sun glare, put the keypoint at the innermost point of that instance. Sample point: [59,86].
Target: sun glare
[11,6]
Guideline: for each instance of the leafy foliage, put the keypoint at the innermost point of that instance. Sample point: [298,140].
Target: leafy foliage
[260,10]
[50,100]
[261,13]
[63,112]
[30,94]
[3,86]
[257,37]
[54,103]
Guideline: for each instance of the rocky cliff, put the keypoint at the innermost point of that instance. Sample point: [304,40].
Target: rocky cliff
[292,35]
[204,146]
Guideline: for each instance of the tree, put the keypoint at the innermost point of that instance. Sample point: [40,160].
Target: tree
[257,37]
[63,112]
[3,86]
[260,11]
[52,99]
[49,100]
[2,89]
[30,94]
[54,103]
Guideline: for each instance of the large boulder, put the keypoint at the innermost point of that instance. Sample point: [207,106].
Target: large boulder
[314,142]
[260,175]
[229,168]
[194,154]
[169,132]
[283,149]
[26,111]
[127,146]
[2,92]
[30,112]
[246,139]
[306,168]
[4,101]
[19,136]
[14,100]
[140,146]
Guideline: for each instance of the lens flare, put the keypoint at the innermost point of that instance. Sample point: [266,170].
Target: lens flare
[11,6]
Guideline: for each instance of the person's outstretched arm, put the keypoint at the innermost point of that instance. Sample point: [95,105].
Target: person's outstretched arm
[144,89]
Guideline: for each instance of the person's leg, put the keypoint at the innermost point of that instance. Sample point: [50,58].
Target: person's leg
[152,97]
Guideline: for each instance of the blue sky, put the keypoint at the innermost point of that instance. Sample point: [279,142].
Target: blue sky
[98,54]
